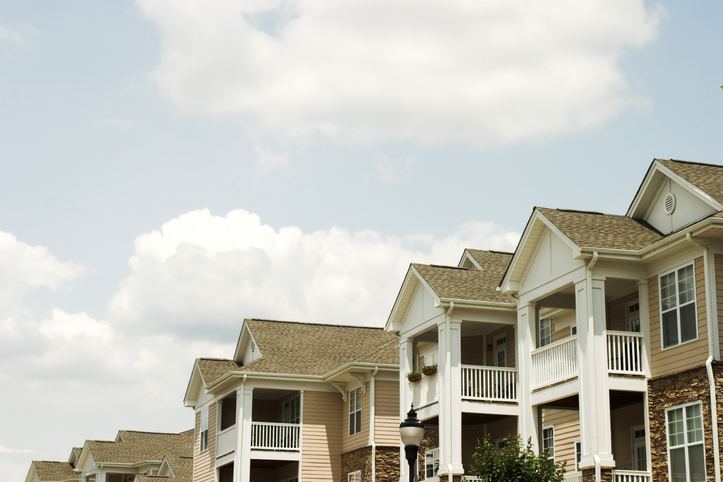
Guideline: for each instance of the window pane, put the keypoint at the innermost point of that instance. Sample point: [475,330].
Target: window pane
[670,328]
[688,323]
[696,463]
[694,422]
[677,465]
[676,432]
[667,291]
[686,284]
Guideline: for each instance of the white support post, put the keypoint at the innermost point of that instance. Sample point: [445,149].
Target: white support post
[242,455]
[450,400]
[644,315]
[593,373]
[528,426]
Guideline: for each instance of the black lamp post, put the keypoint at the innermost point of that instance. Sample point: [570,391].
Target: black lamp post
[412,432]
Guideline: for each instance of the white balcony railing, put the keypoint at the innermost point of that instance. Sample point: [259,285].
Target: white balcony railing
[226,441]
[625,353]
[489,383]
[631,476]
[424,391]
[573,477]
[275,436]
[554,363]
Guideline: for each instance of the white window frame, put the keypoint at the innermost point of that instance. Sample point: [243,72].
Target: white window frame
[432,454]
[677,306]
[355,411]
[686,445]
[203,431]
[544,325]
[551,428]
[354,476]
[577,450]
[632,316]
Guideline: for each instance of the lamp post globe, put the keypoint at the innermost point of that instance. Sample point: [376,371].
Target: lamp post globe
[411,432]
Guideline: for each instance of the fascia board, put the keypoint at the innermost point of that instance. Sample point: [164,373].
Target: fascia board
[196,370]
[656,248]
[359,366]
[643,188]
[251,375]
[505,283]
[586,252]
[477,305]
[392,319]
[243,336]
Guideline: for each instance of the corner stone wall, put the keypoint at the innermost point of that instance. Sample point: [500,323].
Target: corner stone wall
[684,387]
[606,474]
[387,463]
[430,441]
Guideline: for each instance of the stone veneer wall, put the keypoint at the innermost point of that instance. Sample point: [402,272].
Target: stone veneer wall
[387,463]
[606,474]
[430,441]
[673,390]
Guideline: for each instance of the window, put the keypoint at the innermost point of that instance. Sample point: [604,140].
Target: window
[544,332]
[431,463]
[355,411]
[640,448]
[291,410]
[677,306]
[632,316]
[428,360]
[578,455]
[203,442]
[501,351]
[548,443]
[686,454]
[354,476]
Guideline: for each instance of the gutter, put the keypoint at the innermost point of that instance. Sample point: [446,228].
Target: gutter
[712,335]
[490,305]
[372,416]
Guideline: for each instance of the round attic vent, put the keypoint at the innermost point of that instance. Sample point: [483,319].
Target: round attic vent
[669,203]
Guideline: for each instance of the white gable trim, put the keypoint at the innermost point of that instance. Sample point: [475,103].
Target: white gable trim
[195,383]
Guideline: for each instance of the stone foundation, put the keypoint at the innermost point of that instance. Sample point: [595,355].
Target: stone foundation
[606,474]
[678,389]
[387,463]
[455,478]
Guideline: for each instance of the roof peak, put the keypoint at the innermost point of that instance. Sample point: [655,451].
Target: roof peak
[681,161]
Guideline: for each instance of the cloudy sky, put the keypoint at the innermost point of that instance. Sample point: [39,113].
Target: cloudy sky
[171,167]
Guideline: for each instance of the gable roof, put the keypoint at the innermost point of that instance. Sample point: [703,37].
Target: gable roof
[707,177]
[54,471]
[132,447]
[452,283]
[293,348]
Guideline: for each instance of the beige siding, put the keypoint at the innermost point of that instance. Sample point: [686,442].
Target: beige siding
[321,440]
[615,312]
[719,294]
[473,350]
[622,420]
[361,439]
[687,355]
[566,425]
[204,463]
[386,423]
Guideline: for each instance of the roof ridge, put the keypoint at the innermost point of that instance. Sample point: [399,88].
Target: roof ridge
[681,161]
[306,323]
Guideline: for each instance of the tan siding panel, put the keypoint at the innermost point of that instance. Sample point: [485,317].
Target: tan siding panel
[687,355]
[321,439]
[204,463]
[719,294]
[386,423]
[566,425]
[361,439]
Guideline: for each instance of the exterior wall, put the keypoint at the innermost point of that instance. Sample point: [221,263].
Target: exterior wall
[566,425]
[387,464]
[621,421]
[510,332]
[359,459]
[430,441]
[361,439]
[204,463]
[386,420]
[665,392]
[267,411]
[615,311]
[687,355]
[561,326]
[719,295]
[473,350]
[321,436]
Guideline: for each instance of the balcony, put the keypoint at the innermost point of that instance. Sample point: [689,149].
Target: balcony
[226,441]
[275,436]
[625,354]
[424,392]
[631,476]
[489,384]
[554,363]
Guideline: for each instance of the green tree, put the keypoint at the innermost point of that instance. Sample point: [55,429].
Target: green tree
[516,462]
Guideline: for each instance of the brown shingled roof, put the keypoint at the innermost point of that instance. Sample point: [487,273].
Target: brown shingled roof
[707,177]
[597,230]
[214,368]
[469,284]
[54,471]
[138,446]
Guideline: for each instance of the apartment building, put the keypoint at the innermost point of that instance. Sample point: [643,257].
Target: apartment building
[297,402]
[598,338]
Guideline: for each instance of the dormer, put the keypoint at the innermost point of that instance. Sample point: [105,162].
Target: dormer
[675,194]
[246,348]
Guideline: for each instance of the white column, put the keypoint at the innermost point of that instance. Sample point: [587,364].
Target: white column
[242,455]
[593,374]
[644,315]
[450,400]
[406,359]
[528,426]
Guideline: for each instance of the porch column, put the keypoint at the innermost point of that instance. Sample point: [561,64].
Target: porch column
[644,315]
[406,362]
[592,362]
[242,455]
[528,425]
[450,399]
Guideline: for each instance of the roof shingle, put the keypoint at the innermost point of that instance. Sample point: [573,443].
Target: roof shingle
[54,471]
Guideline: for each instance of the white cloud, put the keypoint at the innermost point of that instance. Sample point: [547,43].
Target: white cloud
[204,273]
[493,71]
[5,450]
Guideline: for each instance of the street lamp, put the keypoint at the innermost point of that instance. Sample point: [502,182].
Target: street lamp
[412,432]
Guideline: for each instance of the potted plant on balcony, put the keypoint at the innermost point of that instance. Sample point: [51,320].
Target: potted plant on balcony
[414,376]
[429,370]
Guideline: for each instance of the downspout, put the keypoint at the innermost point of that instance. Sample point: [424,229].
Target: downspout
[448,376]
[372,416]
[591,353]
[711,352]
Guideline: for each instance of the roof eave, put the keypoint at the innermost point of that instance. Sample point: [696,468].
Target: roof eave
[359,366]
[476,304]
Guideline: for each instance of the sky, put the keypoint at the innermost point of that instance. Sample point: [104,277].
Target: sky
[169,168]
